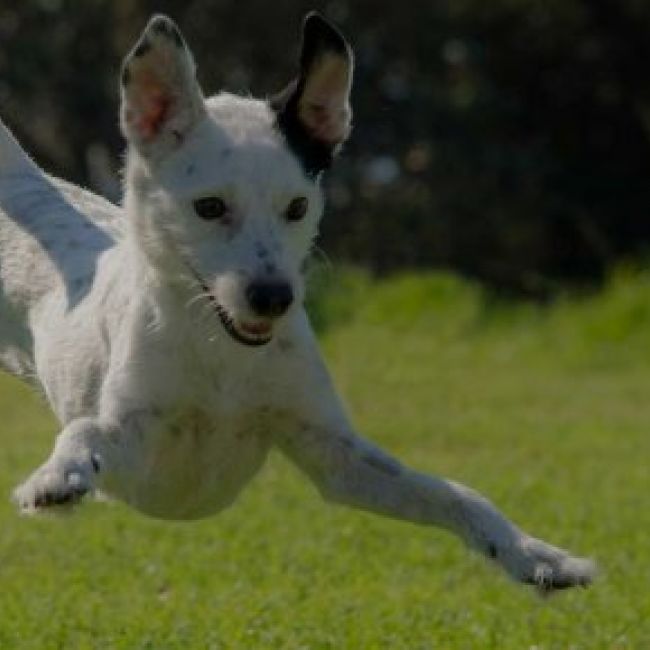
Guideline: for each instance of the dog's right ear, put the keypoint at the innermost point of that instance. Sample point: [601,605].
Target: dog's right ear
[161,98]
[313,112]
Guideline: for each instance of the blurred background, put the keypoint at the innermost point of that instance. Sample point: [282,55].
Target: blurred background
[508,140]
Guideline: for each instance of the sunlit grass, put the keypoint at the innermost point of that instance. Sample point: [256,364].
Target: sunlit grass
[546,410]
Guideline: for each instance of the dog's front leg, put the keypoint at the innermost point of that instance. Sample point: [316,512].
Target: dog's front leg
[349,470]
[86,453]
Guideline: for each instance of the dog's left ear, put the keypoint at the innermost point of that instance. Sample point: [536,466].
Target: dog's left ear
[314,112]
[161,98]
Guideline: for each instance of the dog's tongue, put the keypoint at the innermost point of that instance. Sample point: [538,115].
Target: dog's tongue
[257,329]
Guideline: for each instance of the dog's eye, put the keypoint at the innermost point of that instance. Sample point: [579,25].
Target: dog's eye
[297,209]
[210,208]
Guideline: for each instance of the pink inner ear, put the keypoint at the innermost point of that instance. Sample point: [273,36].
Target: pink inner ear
[150,122]
[324,107]
[149,106]
[326,123]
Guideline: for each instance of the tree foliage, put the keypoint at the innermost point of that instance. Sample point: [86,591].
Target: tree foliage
[508,140]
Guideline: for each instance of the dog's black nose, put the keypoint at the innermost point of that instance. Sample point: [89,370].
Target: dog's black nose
[269,299]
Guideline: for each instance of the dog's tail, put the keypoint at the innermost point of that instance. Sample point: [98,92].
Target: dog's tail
[13,158]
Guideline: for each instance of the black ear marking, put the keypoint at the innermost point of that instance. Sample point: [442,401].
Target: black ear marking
[142,48]
[165,26]
[314,155]
[320,36]
[320,40]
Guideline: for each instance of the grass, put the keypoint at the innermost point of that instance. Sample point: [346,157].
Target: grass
[544,410]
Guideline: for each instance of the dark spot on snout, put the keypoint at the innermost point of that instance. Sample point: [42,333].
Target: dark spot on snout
[271,299]
[492,551]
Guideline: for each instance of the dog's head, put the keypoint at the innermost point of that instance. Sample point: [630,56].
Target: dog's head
[224,192]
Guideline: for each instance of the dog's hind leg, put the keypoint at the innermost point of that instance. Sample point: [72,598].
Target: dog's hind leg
[49,248]
[16,171]
[13,158]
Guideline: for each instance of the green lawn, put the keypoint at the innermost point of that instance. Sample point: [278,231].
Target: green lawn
[545,410]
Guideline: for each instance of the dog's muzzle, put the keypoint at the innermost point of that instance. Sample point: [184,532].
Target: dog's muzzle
[253,334]
[266,300]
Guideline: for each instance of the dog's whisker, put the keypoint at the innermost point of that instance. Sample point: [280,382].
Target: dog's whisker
[198,298]
[321,256]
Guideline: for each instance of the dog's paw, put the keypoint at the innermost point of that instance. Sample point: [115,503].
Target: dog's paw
[547,567]
[53,486]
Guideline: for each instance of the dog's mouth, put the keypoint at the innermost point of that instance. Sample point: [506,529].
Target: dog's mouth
[245,332]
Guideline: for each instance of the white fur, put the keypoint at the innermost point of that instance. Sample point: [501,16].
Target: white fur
[106,309]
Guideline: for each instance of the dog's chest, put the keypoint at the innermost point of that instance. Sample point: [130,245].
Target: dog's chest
[196,461]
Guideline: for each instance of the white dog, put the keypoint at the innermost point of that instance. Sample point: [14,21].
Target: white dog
[169,335]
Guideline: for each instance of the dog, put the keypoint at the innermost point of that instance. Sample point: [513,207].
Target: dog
[169,334]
